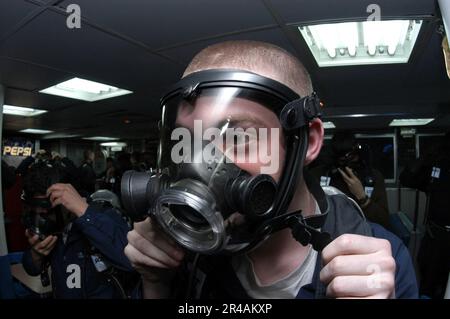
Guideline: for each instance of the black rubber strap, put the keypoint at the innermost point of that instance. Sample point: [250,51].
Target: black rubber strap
[300,112]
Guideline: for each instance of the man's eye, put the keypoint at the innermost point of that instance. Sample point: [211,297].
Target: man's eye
[245,137]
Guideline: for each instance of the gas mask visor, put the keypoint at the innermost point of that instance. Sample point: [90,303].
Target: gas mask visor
[221,155]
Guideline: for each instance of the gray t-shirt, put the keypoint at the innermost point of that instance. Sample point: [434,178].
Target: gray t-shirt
[285,288]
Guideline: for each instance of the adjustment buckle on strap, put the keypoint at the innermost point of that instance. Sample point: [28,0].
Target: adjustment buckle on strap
[300,112]
[305,234]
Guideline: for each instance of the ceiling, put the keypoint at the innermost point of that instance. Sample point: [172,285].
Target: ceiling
[144,46]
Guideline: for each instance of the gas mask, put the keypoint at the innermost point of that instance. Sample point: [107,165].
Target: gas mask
[221,186]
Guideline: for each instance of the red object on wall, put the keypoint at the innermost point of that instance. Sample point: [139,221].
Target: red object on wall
[13,207]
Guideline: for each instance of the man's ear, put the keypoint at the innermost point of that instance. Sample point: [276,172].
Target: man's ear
[315,140]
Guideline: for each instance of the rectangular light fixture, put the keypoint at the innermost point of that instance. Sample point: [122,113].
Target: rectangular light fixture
[21,111]
[59,135]
[114,144]
[359,43]
[411,122]
[328,125]
[100,138]
[35,131]
[85,90]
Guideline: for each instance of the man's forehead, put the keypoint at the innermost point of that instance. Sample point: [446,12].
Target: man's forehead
[212,110]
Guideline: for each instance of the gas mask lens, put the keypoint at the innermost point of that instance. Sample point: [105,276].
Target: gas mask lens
[191,219]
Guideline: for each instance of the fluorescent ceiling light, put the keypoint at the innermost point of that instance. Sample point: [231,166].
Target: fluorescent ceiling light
[328,125]
[411,122]
[59,135]
[114,144]
[357,43]
[100,138]
[85,90]
[358,115]
[35,131]
[21,111]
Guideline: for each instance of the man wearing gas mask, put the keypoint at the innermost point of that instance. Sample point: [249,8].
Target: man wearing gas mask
[81,244]
[349,169]
[232,214]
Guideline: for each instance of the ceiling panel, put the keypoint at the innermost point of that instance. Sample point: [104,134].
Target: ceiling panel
[36,100]
[26,76]
[293,11]
[165,23]
[88,53]
[11,13]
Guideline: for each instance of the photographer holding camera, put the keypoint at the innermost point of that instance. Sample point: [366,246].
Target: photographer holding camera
[350,170]
[82,244]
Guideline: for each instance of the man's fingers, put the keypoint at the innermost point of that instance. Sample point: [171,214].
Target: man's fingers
[57,201]
[170,257]
[56,187]
[158,238]
[359,265]
[350,244]
[350,172]
[138,259]
[361,286]
[53,242]
[33,239]
[148,227]
[50,246]
[56,194]
[44,243]
[344,176]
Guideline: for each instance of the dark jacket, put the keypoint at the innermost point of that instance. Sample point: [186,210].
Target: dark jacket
[87,178]
[433,178]
[104,230]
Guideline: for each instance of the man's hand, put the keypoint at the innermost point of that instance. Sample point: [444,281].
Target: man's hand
[153,255]
[354,184]
[358,267]
[66,195]
[40,248]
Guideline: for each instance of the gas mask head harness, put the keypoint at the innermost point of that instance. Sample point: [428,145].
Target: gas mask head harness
[216,205]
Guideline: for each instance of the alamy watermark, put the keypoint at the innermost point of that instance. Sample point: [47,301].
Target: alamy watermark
[375,12]
[73,20]
[250,146]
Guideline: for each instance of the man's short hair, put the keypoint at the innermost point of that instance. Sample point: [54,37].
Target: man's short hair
[258,57]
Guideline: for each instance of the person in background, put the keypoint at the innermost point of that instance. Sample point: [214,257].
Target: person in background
[81,243]
[431,174]
[123,165]
[87,174]
[137,162]
[349,169]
